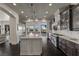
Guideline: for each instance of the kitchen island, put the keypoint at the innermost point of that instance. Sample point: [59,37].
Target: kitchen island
[31,46]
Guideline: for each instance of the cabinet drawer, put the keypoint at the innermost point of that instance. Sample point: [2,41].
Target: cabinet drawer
[77,46]
[63,41]
[77,49]
[70,44]
[68,47]
[77,52]
[71,51]
[62,47]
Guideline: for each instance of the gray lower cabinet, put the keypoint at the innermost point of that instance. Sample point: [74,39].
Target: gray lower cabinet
[62,45]
[71,50]
[68,47]
[54,40]
[77,49]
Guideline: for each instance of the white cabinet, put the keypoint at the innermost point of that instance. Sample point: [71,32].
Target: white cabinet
[25,47]
[36,47]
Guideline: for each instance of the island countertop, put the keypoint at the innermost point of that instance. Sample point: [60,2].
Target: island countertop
[29,37]
[30,46]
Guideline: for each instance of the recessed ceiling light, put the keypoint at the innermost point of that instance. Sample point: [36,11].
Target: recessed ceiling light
[22,12]
[50,4]
[46,12]
[14,4]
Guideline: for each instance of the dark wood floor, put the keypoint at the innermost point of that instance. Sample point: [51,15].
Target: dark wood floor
[9,50]
[52,50]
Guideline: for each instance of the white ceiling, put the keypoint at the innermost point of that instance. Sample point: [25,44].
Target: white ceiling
[39,8]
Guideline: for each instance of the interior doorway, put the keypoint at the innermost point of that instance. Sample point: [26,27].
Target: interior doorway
[4,27]
[7,29]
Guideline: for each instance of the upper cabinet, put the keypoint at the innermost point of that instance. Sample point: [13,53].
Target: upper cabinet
[64,20]
[67,18]
[56,20]
[75,18]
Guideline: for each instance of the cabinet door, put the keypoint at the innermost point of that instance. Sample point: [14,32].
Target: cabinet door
[67,47]
[75,19]
[25,47]
[62,44]
[64,48]
[77,49]
[71,50]
[77,52]
[36,46]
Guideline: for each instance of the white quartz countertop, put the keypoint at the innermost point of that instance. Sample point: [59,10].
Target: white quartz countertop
[69,35]
[31,35]
[24,37]
[69,39]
